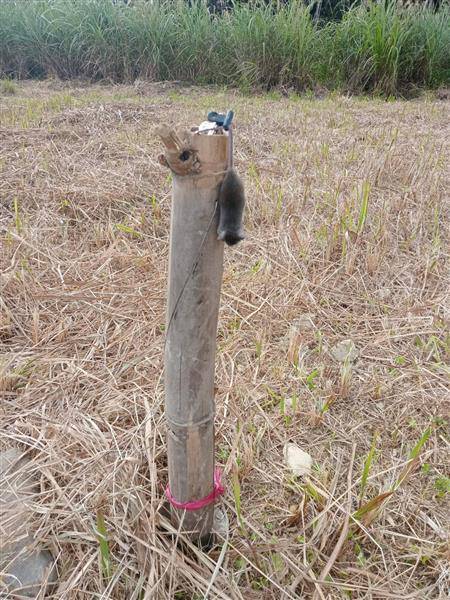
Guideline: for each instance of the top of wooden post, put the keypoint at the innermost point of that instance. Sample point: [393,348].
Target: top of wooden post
[192,153]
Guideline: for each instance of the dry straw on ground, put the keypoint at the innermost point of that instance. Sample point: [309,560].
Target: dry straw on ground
[84,232]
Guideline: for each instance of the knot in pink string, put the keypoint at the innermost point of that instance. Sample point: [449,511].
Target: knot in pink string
[218,490]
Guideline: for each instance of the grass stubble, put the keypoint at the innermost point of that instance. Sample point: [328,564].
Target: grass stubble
[347,238]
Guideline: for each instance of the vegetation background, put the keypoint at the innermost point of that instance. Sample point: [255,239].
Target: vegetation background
[360,47]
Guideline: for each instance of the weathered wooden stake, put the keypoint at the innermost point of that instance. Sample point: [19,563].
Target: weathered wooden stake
[198,162]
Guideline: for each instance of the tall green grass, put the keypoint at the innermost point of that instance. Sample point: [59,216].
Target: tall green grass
[383,47]
[375,47]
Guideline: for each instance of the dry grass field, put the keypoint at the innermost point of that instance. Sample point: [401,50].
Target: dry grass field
[347,239]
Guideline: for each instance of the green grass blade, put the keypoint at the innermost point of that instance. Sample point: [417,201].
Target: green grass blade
[364,206]
[367,466]
[105,558]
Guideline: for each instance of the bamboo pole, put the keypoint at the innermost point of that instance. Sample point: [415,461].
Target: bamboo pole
[198,163]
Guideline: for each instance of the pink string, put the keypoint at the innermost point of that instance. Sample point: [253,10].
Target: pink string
[218,490]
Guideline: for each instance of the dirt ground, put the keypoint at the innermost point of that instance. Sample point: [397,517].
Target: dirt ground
[84,225]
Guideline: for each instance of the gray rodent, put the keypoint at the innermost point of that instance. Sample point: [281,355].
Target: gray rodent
[231,202]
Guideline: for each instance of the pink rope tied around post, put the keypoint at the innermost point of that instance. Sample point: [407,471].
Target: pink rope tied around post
[218,490]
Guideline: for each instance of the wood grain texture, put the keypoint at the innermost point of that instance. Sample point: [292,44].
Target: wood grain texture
[195,277]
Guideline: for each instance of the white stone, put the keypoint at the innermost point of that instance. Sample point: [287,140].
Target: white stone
[345,351]
[298,461]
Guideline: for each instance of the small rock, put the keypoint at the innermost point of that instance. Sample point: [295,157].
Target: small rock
[221,526]
[345,350]
[26,569]
[15,479]
[298,461]
[304,322]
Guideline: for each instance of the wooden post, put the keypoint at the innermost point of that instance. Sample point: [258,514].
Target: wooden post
[198,162]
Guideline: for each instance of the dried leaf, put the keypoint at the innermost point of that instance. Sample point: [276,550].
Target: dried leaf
[370,509]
